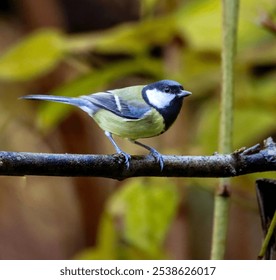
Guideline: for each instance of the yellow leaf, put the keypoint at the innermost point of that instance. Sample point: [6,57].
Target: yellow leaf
[37,54]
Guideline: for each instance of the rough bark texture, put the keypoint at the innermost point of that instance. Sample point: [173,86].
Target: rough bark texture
[243,161]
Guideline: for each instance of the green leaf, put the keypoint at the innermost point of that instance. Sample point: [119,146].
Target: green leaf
[145,209]
[34,56]
[107,242]
[130,38]
[253,119]
[199,22]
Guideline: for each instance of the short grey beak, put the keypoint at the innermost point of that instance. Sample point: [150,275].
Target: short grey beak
[184,93]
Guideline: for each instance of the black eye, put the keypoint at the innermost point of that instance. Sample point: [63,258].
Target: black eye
[167,89]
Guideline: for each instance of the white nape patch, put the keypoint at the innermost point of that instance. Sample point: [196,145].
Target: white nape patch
[158,98]
[118,103]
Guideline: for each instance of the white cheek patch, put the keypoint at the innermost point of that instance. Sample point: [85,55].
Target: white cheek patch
[159,99]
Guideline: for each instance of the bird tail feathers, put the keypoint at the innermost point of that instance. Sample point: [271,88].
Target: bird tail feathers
[83,104]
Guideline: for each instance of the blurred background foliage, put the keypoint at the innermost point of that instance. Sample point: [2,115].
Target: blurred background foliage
[72,48]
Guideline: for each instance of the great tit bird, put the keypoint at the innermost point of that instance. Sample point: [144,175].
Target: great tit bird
[132,112]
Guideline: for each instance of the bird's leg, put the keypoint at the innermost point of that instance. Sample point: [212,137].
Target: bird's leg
[153,152]
[117,148]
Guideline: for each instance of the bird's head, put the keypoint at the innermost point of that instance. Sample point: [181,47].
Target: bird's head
[164,93]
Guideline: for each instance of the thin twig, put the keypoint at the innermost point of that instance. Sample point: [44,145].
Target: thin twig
[268,236]
[230,10]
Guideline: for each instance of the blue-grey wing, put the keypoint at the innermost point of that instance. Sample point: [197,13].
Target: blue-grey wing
[130,109]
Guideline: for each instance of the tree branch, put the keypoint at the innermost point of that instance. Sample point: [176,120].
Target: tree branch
[258,158]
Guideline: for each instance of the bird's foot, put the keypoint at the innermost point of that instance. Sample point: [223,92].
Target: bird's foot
[126,157]
[158,157]
[121,153]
